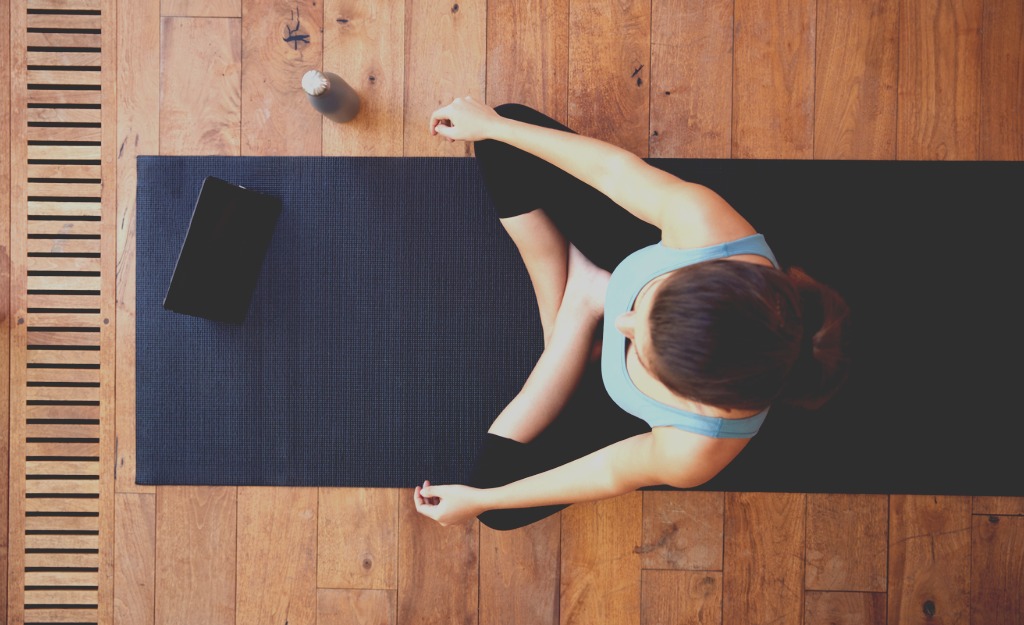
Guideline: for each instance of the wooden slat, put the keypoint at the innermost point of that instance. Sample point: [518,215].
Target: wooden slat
[998,505]
[1002,77]
[764,555]
[75,523]
[691,79]
[62,468]
[63,616]
[195,555]
[861,608]
[357,538]
[683,530]
[6,310]
[74,22]
[200,85]
[201,8]
[78,116]
[997,570]
[847,542]
[929,559]
[609,72]
[63,40]
[519,574]
[64,59]
[426,582]
[445,59]
[773,79]
[63,134]
[284,592]
[528,55]
[65,4]
[856,51]
[138,132]
[939,80]
[61,597]
[63,152]
[53,541]
[275,117]
[46,506]
[62,430]
[364,43]
[681,598]
[63,171]
[359,607]
[600,578]
[63,77]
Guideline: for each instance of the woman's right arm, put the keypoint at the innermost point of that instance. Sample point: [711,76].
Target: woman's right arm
[651,194]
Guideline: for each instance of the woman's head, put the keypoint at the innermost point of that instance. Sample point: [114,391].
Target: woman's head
[738,335]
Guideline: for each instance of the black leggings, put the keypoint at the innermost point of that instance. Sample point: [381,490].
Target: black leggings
[606,233]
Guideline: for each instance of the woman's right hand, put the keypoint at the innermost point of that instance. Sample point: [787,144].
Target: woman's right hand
[464,119]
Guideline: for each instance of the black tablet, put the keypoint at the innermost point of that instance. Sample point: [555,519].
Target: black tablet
[224,247]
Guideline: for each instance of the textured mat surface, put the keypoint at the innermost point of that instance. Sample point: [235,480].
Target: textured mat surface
[393,319]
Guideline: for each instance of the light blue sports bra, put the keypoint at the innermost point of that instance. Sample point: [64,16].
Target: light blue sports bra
[629,277]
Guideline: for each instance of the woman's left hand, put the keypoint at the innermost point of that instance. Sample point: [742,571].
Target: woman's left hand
[448,505]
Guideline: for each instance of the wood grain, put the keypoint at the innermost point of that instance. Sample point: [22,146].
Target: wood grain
[845,608]
[997,570]
[681,598]
[773,79]
[200,85]
[358,538]
[277,547]
[609,72]
[5,293]
[445,58]
[281,40]
[998,505]
[355,607]
[364,44]
[763,562]
[201,8]
[528,54]
[1002,78]
[847,542]
[600,579]
[138,132]
[691,79]
[856,49]
[438,569]
[134,558]
[195,555]
[929,559]
[682,530]
[939,80]
[519,574]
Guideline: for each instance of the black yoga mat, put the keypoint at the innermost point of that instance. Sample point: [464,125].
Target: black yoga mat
[393,319]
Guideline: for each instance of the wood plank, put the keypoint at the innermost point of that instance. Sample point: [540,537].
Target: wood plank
[138,132]
[845,608]
[358,538]
[609,72]
[74,22]
[277,578]
[65,4]
[600,578]
[519,574]
[281,39]
[998,505]
[856,50]
[847,542]
[445,58]
[691,79]
[1002,74]
[438,569]
[773,79]
[764,558]
[683,530]
[528,55]
[939,80]
[134,558]
[356,607]
[195,555]
[200,85]
[681,598]
[929,559]
[364,44]
[64,59]
[7,147]
[201,8]
[997,570]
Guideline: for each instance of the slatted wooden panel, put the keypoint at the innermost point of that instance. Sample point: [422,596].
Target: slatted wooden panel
[63,187]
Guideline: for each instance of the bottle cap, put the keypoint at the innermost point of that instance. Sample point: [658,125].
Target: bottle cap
[314,82]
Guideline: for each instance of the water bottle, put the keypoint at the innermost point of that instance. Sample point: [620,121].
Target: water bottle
[330,95]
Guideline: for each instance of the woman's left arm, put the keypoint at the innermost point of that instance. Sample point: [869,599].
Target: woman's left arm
[622,467]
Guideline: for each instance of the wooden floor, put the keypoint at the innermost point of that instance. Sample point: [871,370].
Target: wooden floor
[94,83]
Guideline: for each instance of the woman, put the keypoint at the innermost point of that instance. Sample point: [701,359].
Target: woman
[702,330]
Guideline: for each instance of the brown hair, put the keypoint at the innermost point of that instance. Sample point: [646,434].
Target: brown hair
[738,335]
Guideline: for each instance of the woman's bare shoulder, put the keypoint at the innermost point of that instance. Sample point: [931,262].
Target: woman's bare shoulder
[700,217]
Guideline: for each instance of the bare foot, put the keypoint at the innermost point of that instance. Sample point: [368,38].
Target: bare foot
[586,285]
